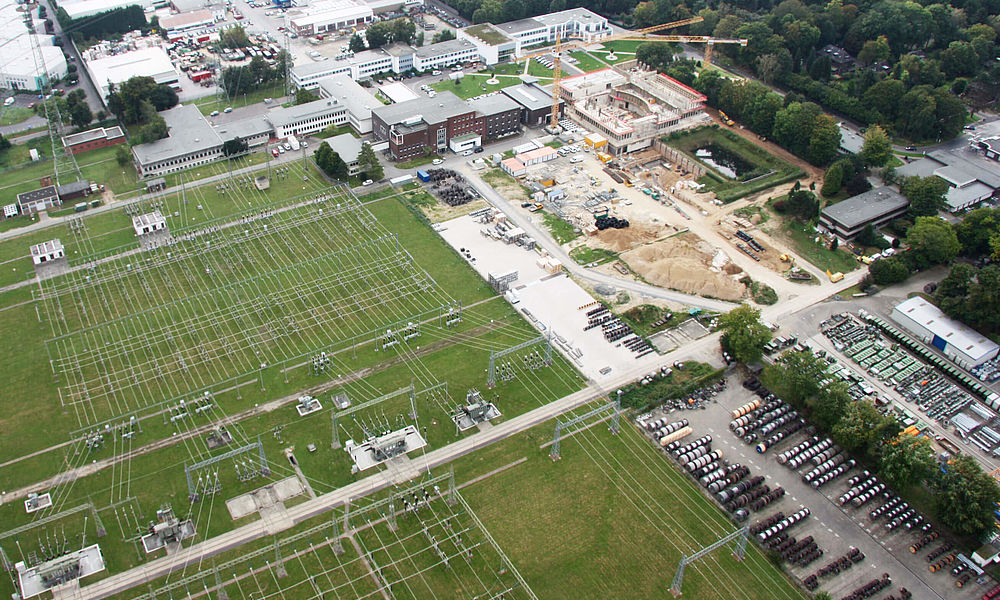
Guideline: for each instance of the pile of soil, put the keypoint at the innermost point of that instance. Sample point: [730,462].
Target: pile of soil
[684,263]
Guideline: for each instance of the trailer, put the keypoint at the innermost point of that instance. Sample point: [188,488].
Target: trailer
[423,175]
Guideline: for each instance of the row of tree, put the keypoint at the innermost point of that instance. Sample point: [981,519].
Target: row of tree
[138,102]
[104,25]
[382,33]
[241,80]
[801,127]
[965,495]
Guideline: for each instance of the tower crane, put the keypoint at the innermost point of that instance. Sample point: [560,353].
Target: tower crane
[638,34]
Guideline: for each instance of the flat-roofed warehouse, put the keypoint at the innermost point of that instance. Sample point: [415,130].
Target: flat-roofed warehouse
[962,344]
[877,206]
[119,68]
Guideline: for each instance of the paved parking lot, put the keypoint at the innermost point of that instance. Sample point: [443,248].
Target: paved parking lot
[835,529]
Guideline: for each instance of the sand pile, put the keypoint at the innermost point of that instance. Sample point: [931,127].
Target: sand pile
[687,264]
[622,240]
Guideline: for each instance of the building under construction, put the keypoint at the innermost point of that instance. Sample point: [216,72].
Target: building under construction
[633,108]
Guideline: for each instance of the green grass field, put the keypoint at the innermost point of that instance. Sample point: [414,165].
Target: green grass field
[472,85]
[766,170]
[211,103]
[587,62]
[818,254]
[12,115]
[611,518]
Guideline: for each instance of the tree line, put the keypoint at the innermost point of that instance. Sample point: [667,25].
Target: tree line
[104,25]
[801,127]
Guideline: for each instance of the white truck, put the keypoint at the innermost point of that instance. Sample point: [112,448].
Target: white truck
[294,143]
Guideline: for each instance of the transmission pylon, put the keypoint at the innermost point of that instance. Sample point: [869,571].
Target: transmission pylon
[63,162]
[740,535]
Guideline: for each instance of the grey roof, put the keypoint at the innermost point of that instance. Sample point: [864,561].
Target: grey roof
[189,132]
[529,96]
[959,198]
[347,146]
[84,136]
[438,109]
[864,208]
[978,167]
[850,141]
[512,27]
[243,128]
[307,69]
[494,104]
[923,167]
[955,167]
[398,49]
[358,100]
[74,187]
[442,48]
[283,116]
[44,193]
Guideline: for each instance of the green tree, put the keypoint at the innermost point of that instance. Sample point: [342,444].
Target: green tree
[403,30]
[873,51]
[795,377]
[122,155]
[444,36]
[832,180]
[829,406]
[379,34]
[330,162]
[235,147]
[80,115]
[976,229]
[877,148]
[357,44]
[883,98]
[932,241]
[743,333]
[803,204]
[234,37]
[862,428]
[966,497]
[824,141]
[926,194]
[368,163]
[304,96]
[906,461]
[960,60]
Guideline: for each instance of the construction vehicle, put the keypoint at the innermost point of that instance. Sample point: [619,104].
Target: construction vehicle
[834,277]
[639,34]
[725,119]
[785,258]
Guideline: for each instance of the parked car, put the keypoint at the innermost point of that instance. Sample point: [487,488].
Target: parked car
[367,182]
[214,113]
[274,151]
[228,109]
[436,161]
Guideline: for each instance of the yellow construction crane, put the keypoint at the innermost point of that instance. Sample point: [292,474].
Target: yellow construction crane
[638,34]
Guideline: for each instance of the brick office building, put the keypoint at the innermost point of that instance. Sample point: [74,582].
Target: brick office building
[444,122]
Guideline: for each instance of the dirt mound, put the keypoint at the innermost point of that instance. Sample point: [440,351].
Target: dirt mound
[622,240]
[685,264]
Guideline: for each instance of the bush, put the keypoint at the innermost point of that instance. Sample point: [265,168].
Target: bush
[889,271]
[763,293]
